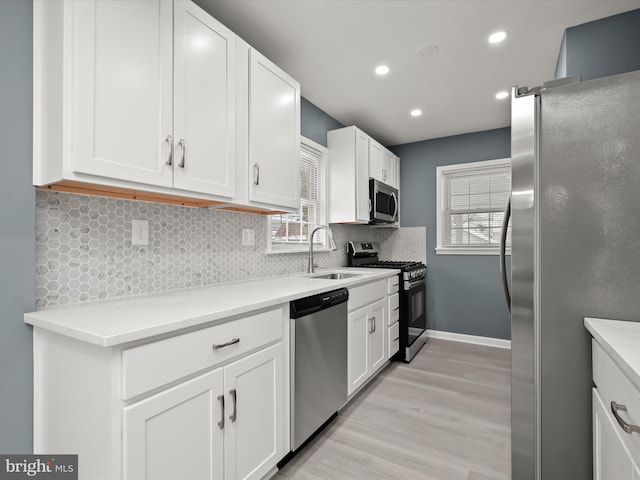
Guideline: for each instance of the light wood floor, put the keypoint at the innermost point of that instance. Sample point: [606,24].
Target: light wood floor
[444,416]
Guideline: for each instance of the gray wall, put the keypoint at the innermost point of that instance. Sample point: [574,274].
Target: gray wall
[464,293]
[17,238]
[314,123]
[600,48]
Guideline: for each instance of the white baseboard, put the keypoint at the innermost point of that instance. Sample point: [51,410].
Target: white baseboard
[477,340]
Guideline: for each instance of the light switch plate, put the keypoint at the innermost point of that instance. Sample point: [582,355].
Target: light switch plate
[140,232]
[248,236]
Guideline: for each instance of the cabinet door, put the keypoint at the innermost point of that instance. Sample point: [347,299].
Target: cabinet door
[388,172]
[358,346]
[204,102]
[175,434]
[611,459]
[375,160]
[254,388]
[274,134]
[121,98]
[363,207]
[378,335]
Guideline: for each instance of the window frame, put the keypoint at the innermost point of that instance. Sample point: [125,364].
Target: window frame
[441,173]
[322,243]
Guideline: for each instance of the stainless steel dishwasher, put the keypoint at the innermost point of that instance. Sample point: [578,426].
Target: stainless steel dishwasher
[318,362]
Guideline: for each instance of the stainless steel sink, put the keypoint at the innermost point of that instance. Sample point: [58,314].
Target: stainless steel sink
[336,276]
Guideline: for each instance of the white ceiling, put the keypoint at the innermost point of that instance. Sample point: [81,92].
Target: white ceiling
[332,47]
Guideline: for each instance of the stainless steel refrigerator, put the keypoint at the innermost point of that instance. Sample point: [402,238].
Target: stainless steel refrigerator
[575,219]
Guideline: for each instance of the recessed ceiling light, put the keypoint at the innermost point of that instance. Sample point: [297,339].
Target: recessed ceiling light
[416,112]
[382,69]
[497,37]
[502,94]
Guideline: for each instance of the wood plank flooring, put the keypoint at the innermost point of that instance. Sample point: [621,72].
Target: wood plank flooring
[444,416]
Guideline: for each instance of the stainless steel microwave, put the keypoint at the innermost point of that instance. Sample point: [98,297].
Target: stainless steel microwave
[383,202]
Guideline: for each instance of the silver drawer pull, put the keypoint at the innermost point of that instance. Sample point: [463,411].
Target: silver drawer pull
[397,308]
[234,415]
[627,427]
[396,339]
[222,345]
[221,422]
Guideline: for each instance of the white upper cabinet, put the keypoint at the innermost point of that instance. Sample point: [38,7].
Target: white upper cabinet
[120,89]
[383,164]
[390,169]
[204,102]
[354,157]
[376,159]
[274,133]
[135,94]
[349,175]
[152,96]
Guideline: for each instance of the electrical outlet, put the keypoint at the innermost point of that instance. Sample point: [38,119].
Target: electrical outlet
[248,236]
[140,232]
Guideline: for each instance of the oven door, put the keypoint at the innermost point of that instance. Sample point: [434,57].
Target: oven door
[413,318]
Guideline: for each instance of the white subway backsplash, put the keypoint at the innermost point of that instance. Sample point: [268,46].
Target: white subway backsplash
[84,250]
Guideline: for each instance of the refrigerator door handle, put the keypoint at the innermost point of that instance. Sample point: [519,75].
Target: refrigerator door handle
[503,248]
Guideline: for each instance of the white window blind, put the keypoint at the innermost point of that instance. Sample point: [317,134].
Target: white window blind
[474,197]
[294,228]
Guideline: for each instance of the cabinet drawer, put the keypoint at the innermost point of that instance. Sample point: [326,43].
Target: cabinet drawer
[367,294]
[613,385]
[394,308]
[154,364]
[393,284]
[393,339]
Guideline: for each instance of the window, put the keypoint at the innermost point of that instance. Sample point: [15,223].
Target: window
[290,232]
[472,198]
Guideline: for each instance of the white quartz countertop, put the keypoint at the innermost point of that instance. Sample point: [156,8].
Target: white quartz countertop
[621,340]
[116,321]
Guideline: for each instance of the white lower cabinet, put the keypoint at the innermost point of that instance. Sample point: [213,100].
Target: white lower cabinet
[367,333]
[223,424]
[205,404]
[611,458]
[616,453]
[176,433]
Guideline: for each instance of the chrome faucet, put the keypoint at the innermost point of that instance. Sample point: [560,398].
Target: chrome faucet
[332,244]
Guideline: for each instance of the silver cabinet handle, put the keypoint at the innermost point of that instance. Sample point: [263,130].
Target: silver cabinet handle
[169,140]
[374,324]
[397,308]
[233,341]
[370,326]
[256,174]
[221,422]
[182,146]
[627,427]
[233,394]
[369,207]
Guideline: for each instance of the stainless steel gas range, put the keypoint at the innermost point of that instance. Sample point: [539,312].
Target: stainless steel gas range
[413,312]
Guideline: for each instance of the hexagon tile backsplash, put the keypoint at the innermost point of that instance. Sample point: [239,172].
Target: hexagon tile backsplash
[84,249]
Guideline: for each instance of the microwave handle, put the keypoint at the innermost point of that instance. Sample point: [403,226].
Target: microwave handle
[395,204]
